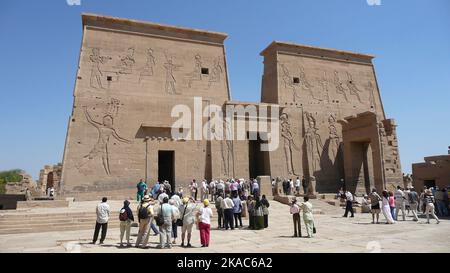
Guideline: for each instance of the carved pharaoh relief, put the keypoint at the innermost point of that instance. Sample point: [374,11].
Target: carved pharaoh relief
[106,129]
[148,69]
[97,60]
[171,82]
[289,144]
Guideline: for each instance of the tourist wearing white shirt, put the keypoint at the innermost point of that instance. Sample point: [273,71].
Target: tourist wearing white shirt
[205,213]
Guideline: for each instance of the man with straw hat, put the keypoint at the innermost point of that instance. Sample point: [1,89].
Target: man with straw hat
[429,201]
[187,215]
[204,223]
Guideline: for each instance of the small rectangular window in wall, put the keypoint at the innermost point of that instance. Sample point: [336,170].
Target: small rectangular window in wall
[205,71]
[296,80]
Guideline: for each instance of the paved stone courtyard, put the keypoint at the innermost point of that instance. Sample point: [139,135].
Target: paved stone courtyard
[335,234]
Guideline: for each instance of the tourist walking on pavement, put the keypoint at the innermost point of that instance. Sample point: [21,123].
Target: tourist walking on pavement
[375,205]
[413,199]
[297,185]
[392,204]
[193,187]
[145,214]
[165,230]
[126,218]
[237,210]
[295,211]
[102,212]
[308,218]
[204,190]
[265,205]
[204,223]
[188,217]
[399,197]
[162,195]
[212,190]
[429,201]
[386,208]
[291,187]
[348,204]
[227,205]
[141,188]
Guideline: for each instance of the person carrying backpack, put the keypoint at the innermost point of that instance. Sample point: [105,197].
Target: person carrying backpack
[145,215]
[125,218]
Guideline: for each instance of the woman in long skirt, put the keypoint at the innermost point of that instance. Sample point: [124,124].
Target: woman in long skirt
[259,214]
[386,208]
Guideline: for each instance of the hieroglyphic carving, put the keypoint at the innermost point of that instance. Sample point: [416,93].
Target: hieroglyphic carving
[96,71]
[369,87]
[313,141]
[354,90]
[227,149]
[289,143]
[339,85]
[334,138]
[147,70]
[126,62]
[196,74]
[105,131]
[324,83]
[170,78]
[216,72]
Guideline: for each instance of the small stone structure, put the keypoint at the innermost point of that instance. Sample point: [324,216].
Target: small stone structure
[435,171]
[50,176]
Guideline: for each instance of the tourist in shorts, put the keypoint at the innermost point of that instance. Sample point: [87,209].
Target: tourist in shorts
[375,205]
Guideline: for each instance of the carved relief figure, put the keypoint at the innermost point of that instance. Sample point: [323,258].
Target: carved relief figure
[352,87]
[96,72]
[196,75]
[313,141]
[339,85]
[170,78]
[304,83]
[370,88]
[147,70]
[105,131]
[127,62]
[227,150]
[216,72]
[324,83]
[334,138]
[288,142]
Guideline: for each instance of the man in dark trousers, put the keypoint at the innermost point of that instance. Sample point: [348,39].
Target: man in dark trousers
[348,204]
[102,220]
[304,185]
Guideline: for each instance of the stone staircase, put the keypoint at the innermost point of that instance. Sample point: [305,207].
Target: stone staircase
[45,222]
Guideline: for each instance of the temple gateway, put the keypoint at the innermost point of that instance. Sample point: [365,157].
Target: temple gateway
[131,74]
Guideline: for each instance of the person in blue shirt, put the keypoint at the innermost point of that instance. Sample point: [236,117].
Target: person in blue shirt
[141,188]
[237,210]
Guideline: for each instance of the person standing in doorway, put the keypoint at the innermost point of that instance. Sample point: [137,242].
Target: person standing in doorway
[102,212]
[348,204]
[295,211]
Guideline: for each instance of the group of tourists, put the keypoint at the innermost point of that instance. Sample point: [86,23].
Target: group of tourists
[291,188]
[161,211]
[307,209]
[402,200]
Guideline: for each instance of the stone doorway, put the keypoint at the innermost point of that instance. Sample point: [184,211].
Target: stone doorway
[50,182]
[258,161]
[429,183]
[166,167]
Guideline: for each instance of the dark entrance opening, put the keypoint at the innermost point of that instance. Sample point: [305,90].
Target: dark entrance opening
[49,180]
[166,167]
[258,161]
[429,183]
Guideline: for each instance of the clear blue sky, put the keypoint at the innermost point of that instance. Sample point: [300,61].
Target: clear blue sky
[40,42]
